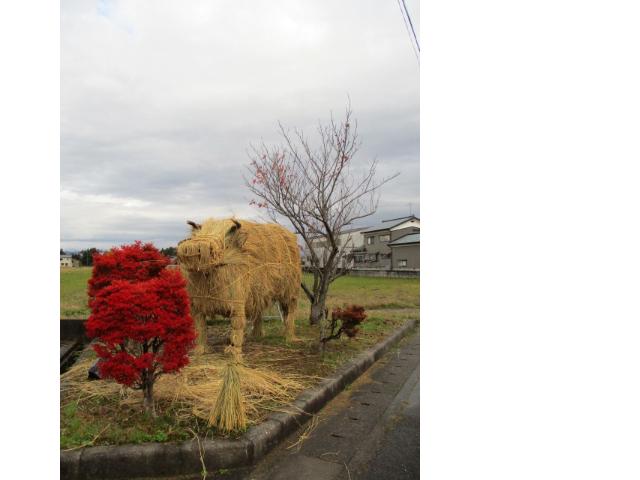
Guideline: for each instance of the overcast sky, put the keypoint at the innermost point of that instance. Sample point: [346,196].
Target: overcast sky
[160,101]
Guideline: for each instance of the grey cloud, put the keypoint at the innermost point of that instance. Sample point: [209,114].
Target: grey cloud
[160,102]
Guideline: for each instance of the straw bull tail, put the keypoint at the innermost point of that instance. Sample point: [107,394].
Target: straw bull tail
[228,414]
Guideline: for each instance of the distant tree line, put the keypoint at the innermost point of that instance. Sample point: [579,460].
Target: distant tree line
[85,257]
[169,251]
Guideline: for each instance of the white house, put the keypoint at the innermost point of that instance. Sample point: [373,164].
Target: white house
[67,261]
[352,240]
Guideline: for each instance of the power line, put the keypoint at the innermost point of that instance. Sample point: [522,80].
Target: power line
[413,47]
[411,23]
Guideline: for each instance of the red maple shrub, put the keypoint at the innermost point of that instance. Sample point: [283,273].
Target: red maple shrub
[135,263]
[349,318]
[141,320]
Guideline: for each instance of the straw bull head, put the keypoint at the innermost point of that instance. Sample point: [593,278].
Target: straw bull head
[206,247]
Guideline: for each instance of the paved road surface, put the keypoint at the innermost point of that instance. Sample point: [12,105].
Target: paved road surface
[370,431]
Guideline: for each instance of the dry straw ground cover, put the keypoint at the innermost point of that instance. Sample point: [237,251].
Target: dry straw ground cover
[112,413]
[103,412]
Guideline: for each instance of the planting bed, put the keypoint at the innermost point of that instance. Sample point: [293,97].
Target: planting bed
[100,420]
[207,454]
[106,413]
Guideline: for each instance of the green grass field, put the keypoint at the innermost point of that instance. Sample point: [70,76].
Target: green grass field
[372,293]
[73,292]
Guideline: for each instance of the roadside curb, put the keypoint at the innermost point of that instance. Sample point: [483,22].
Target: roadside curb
[175,459]
[66,352]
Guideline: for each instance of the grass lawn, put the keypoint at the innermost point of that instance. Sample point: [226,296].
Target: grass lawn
[73,292]
[107,419]
[372,293]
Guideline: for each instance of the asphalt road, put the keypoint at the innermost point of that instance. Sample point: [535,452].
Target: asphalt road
[370,431]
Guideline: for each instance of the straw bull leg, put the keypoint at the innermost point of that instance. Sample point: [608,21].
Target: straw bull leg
[289,313]
[200,322]
[238,323]
[257,331]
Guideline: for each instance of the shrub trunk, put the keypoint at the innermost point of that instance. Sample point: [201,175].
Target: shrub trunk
[149,406]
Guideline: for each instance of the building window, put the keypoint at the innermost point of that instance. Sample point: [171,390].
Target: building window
[370,240]
[402,263]
[385,238]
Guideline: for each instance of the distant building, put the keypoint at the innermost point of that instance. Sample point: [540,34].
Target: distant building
[67,260]
[352,240]
[405,252]
[378,241]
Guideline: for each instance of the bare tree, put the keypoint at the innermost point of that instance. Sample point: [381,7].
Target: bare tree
[320,192]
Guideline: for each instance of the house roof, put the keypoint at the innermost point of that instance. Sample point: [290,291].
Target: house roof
[389,224]
[406,239]
[350,230]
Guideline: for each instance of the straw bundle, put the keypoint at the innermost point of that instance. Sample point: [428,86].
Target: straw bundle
[238,269]
[195,389]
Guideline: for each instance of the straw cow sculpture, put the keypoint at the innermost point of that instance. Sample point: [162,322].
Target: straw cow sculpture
[237,269]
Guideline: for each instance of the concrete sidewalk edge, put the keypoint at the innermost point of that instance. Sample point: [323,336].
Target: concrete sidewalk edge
[175,459]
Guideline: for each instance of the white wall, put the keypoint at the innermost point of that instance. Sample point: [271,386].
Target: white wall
[351,239]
